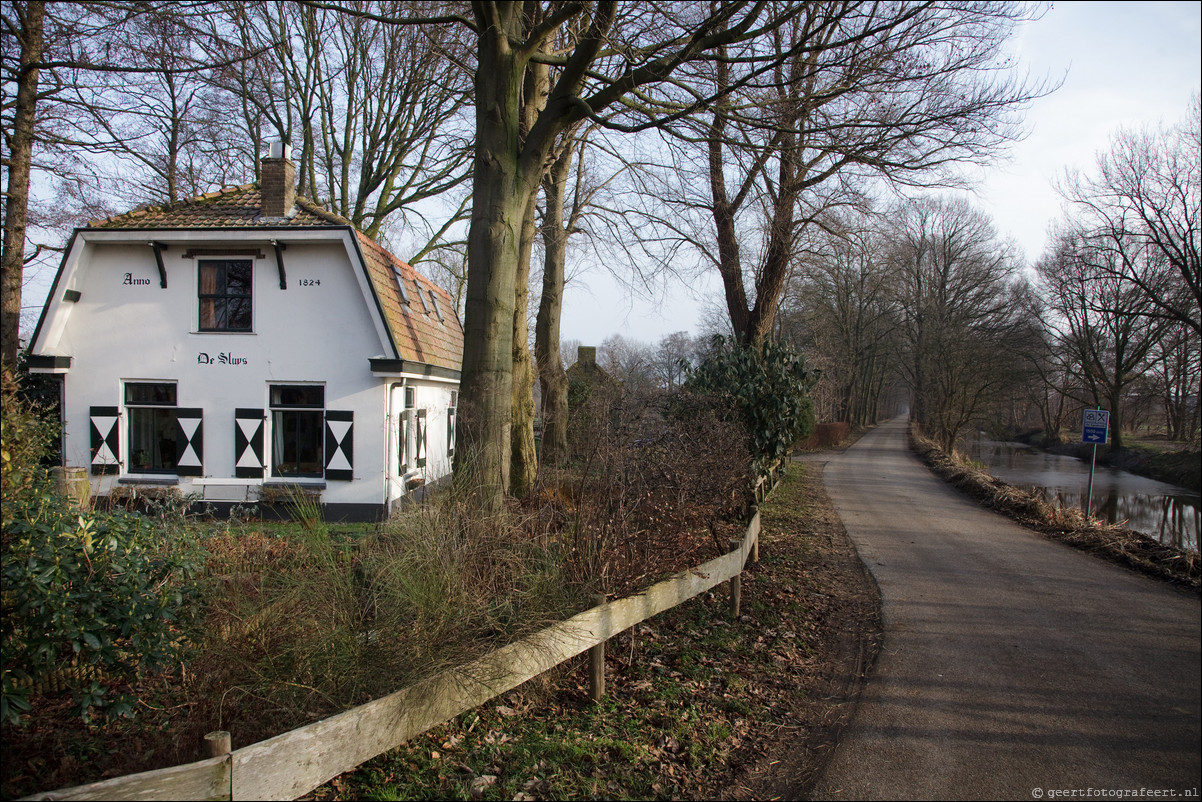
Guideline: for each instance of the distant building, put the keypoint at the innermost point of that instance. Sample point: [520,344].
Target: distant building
[246,339]
[586,376]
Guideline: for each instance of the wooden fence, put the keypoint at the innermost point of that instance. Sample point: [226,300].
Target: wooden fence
[294,763]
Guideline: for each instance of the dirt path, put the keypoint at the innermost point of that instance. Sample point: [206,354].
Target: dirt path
[1012,667]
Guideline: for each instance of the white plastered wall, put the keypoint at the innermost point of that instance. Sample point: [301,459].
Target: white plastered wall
[125,327]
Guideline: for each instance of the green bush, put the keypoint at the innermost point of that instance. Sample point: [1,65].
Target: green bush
[768,386]
[96,592]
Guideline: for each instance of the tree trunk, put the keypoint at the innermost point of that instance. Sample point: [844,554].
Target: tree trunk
[553,381]
[523,467]
[12,264]
[730,266]
[500,197]
[1116,417]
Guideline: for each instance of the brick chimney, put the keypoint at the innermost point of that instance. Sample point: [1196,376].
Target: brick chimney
[586,355]
[279,180]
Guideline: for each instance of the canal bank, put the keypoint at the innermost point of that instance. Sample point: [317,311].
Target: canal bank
[1171,463]
[1169,513]
[1064,524]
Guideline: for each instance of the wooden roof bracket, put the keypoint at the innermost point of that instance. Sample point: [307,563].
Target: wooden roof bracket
[158,258]
[279,262]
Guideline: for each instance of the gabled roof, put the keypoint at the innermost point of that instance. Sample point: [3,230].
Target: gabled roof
[422,331]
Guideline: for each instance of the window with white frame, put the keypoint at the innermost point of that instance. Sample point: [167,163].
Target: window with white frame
[150,409]
[297,430]
[162,437]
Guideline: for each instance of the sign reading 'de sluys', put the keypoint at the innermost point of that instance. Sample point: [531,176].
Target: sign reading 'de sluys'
[223,358]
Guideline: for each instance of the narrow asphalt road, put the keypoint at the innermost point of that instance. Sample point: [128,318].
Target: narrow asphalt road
[1012,667]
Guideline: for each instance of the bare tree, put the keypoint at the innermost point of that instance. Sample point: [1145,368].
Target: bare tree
[1054,386]
[958,294]
[23,35]
[844,302]
[1099,319]
[559,222]
[608,63]
[1175,371]
[628,361]
[375,110]
[857,92]
[61,56]
[1142,215]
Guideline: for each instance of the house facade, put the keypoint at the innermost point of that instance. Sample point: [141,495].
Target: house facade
[247,340]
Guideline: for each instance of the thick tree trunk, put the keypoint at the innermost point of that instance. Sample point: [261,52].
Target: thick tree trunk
[500,198]
[12,264]
[553,381]
[770,283]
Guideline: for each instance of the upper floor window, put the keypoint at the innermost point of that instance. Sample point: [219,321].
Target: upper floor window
[225,294]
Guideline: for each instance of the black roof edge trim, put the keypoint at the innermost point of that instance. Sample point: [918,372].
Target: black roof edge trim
[41,362]
[381,365]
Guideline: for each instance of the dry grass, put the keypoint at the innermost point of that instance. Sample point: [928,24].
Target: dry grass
[1067,525]
[300,621]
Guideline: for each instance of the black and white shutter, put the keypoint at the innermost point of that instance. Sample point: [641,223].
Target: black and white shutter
[248,443]
[403,443]
[420,461]
[451,432]
[106,439]
[189,442]
[340,452]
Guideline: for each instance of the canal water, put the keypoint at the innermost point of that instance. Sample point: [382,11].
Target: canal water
[1171,514]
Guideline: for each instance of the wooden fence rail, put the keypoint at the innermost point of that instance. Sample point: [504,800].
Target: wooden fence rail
[294,763]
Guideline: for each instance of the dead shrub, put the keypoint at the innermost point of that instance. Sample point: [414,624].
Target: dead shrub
[825,435]
[657,483]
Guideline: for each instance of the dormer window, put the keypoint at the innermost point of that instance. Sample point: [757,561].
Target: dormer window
[225,294]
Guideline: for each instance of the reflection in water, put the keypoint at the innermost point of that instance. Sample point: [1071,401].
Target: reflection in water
[1166,512]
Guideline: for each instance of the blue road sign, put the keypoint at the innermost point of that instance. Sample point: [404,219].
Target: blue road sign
[1095,423]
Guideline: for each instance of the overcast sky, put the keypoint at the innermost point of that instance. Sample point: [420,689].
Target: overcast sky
[1124,64]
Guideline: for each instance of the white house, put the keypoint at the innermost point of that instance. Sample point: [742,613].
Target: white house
[246,339]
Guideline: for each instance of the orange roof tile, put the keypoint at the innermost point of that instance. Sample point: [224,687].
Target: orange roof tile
[414,323]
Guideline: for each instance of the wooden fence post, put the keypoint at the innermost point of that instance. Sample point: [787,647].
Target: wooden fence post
[596,663]
[735,584]
[217,743]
